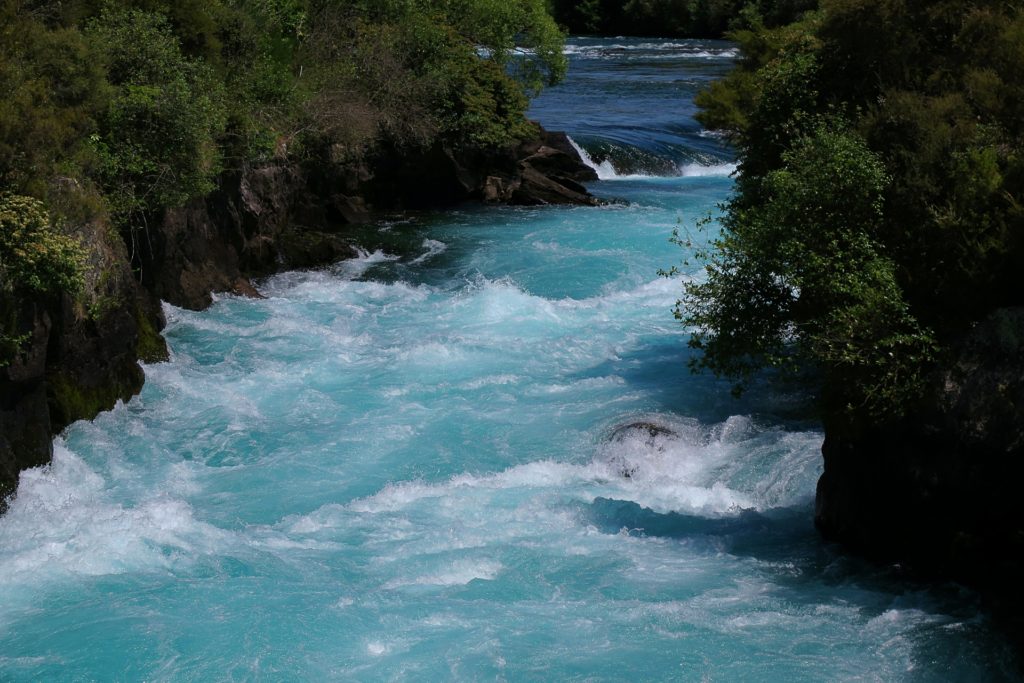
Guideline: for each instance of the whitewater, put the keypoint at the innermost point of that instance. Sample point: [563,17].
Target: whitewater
[473,453]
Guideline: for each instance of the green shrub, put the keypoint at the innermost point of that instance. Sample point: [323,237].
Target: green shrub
[157,142]
[34,256]
[35,259]
[51,88]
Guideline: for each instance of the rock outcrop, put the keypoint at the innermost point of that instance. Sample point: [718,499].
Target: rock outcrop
[81,355]
[25,433]
[937,491]
[546,171]
[281,216]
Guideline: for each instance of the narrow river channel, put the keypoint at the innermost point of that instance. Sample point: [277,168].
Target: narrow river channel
[475,453]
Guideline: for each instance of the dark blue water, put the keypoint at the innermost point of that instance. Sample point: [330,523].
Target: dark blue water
[413,465]
[629,103]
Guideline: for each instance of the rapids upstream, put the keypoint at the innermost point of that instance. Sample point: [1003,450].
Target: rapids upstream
[475,453]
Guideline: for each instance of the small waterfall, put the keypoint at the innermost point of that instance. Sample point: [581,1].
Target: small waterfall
[604,170]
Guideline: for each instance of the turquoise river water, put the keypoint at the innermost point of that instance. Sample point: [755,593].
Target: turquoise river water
[413,465]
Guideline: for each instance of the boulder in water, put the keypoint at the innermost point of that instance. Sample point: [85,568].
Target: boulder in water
[648,435]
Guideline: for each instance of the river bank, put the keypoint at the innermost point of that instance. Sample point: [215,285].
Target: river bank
[79,360]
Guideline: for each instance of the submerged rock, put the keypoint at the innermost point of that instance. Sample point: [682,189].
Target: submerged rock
[645,436]
[649,430]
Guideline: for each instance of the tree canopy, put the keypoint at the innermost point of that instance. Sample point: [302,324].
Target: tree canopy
[150,99]
[878,212]
[671,18]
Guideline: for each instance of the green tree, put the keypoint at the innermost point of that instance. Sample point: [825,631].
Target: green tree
[878,214]
[799,281]
[157,141]
[417,71]
[51,88]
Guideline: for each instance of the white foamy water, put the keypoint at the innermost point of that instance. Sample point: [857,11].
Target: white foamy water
[649,50]
[698,170]
[604,170]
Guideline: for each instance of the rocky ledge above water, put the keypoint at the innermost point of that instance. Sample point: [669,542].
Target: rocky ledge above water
[82,355]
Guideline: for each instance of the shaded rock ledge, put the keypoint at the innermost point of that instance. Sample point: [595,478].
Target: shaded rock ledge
[939,491]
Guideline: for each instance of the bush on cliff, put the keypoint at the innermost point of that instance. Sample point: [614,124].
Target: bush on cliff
[35,260]
[34,256]
[878,214]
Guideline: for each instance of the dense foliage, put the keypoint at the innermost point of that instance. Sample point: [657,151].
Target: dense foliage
[139,105]
[692,18]
[34,255]
[35,259]
[879,212]
[148,100]
[156,142]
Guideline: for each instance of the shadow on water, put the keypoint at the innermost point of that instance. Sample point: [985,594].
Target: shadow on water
[805,572]
[780,534]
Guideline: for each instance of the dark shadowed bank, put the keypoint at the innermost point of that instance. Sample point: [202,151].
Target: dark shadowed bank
[79,360]
[873,252]
[671,18]
[938,490]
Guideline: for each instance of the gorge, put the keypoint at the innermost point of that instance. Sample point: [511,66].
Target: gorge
[471,450]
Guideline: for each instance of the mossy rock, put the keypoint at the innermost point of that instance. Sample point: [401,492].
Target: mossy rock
[151,347]
[313,248]
[71,400]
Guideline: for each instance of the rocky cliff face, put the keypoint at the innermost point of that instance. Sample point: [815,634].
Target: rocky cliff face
[282,216]
[24,415]
[938,490]
[82,355]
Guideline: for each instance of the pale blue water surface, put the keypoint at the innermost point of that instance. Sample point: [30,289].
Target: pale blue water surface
[406,466]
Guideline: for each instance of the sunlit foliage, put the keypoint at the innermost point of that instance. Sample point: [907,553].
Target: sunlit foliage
[36,260]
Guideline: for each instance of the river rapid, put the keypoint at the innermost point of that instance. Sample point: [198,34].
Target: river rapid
[420,464]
